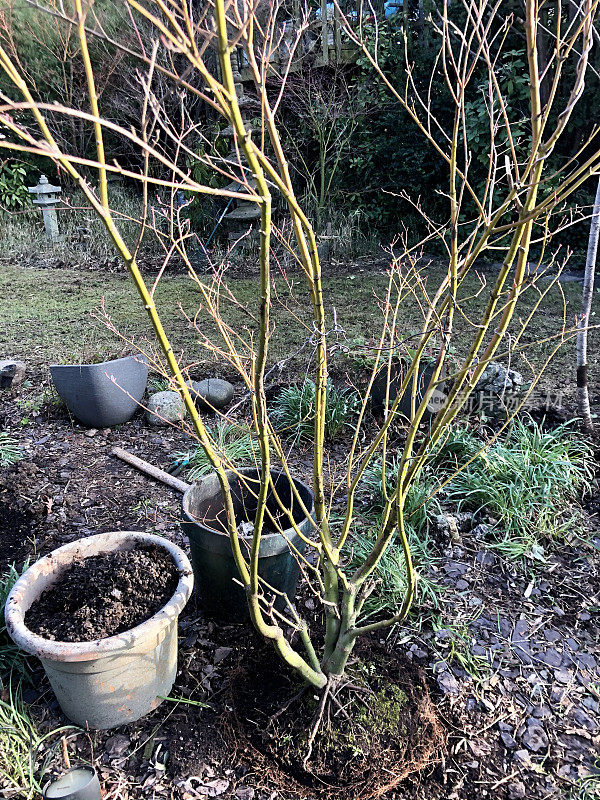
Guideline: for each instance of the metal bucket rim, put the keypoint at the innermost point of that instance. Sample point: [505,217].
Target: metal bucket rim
[53,650]
[289,534]
[87,767]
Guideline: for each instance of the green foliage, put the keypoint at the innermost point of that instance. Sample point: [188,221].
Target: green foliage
[526,483]
[588,787]
[513,82]
[452,452]
[382,713]
[453,642]
[294,410]
[25,753]
[235,444]
[419,513]
[157,383]
[13,192]
[10,452]
[14,665]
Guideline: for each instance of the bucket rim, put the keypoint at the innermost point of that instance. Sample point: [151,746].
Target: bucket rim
[23,595]
[287,533]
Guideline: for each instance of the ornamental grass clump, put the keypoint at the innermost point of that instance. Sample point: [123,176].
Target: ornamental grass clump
[235,443]
[294,410]
[10,451]
[526,482]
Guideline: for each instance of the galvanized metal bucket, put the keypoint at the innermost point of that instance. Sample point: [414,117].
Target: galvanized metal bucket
[217,580]
[105,682]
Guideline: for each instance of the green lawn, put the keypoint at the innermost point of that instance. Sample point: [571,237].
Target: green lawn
[54,315]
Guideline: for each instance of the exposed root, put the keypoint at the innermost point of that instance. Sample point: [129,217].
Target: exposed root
[318,718]
[287,704]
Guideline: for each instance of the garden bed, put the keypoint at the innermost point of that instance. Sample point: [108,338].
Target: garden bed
[506,650]
[510,654]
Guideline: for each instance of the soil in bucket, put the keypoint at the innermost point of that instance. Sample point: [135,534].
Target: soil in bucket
[105,595]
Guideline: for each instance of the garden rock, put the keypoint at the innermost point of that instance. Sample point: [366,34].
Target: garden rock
[516,790]
[496,378]
[212,393]
[535,738]
[244,793]
[12,373]
[164,408]
[448,683]
[551,657]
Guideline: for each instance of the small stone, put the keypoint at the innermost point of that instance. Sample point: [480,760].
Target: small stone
[480,532]
[535,738]
[542,711]
[221,654]
[563,676]
[586,661]
[165,408]
[455,570]
[12,374]
[516,790]
[583,720]
[508,740]
[244,793]
[592,704]
[552,636]
[212,393]
[522,757]
[91,432]
[551,657]
[448,683]
[461,585]
[484,558]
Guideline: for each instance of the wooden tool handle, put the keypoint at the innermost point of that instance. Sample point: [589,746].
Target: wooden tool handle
[149,469]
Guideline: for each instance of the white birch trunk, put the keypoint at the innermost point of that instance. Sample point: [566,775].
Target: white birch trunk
[583,398]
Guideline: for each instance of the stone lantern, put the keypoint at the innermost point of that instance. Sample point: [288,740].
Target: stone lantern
[47,197]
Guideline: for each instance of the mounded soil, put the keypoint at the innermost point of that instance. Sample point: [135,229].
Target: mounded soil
[105,595]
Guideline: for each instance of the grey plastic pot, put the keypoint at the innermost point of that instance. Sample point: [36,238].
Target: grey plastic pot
[102,395]
[112,681]
[397,373]
[77,783]
[214,568]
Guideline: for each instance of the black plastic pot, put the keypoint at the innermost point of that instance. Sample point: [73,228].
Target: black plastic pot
[94,398]
[215,573]
[398,372]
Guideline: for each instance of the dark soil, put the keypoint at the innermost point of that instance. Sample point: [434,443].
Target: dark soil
[16,535]
[378,726]
[105,595]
